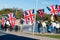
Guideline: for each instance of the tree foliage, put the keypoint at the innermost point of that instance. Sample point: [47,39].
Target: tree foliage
[8,10]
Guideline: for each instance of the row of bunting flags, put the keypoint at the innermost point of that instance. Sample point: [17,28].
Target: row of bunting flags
[29,14]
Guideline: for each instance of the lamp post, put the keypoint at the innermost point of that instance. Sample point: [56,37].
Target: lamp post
[35,16]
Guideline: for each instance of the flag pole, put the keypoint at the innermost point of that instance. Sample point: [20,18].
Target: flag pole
[35,17]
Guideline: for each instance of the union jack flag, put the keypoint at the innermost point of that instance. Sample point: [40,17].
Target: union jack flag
[58,8]
[41,12]
[3,21]
[12,18]
[26,17]
[29,14]
[53,9]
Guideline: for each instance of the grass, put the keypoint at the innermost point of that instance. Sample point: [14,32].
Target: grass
[57,36]
[49,35]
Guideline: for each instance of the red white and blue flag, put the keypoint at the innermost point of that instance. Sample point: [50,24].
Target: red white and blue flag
[41,12]
[29,15]
[12,19]
[3,21]
[58,8]
[26,17]
[53,9]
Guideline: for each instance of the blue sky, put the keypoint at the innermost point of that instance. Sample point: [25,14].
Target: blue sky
[28,4]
